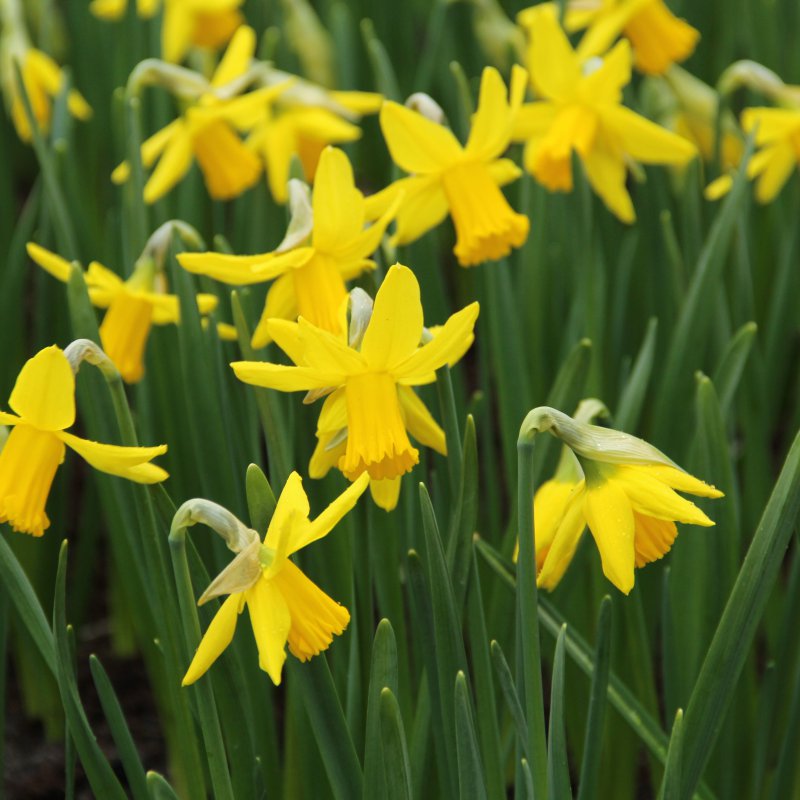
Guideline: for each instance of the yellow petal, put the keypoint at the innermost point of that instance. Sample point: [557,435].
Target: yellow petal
[329,354]
[416,144]
[386,492]
[772,123]
[606,83]
[237,58]
[645,141]
[555,69]
[109,10]
[100,277]
[610,518]
[718,188]
[606,28]
[172,166]
[419,421]
[126,462]
[57,266]
[566,537]
[281,304]
[153,147]
[244,270]
[292,500]
[330,517]
[504,171]
[782,162]
[682,481]
[176,32]
[423,206]
[659,38]
[333,415]
[452,341]
[324,458]
[533,119]
[606,174]
[650,496]
[315,617]
[358,102]
[338,205]
[271,621]
[218,636]
[77,105]
[228,166]
[283,378]
[44,394]
[395,328]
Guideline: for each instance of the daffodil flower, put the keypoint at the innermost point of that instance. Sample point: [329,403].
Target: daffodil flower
[464,182]
[42,79]
[285,606]
[202,23]
[292,127]
[43,400]
[581,112]
[777,135]
[623,489]
[326,245]
[133,306]
[659,38]
[368,387]
[209,132]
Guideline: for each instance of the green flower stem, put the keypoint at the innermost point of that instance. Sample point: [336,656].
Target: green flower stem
[529,677]
[206,708]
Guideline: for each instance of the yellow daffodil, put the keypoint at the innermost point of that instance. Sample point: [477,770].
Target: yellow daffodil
[43,400]
[582,112]
[292,127]
[327,244]
[133,306]
[284,605]
[369,384]
[43,80]
[623,489]
[209,132]
[202,23]
[777,132]
[461,181]
[659,38]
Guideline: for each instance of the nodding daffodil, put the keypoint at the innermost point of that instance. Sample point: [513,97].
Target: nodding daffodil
[42,79]
[464,182]
[302,122]
[209,130]
[777,135]
[326,245]
[202,23]
[582,112]
[659,38]
[133,306]
[623,489]
[369,384]
[43,400]
[285,606]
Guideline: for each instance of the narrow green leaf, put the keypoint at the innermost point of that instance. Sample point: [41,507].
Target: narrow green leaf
[598,701]
[471,782]
[705,713]
[383,676]
[671,782]
[382,69]
[396,765]
[126,747]
[158,787]
[509,690]
[631,400]
[557,761]
[101,776]
[731,365]
[447,404]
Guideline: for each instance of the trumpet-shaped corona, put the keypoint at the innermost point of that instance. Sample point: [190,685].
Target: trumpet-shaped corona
[43,400]
[463,182]
[370,408]
[285,606]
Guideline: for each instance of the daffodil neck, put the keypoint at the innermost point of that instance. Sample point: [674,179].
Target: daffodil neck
[86,350]
[158,244]
[266,556]
[183,83]
[143,277]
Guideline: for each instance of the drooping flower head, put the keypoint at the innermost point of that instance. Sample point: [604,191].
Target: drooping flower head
[327,244]
[285,606]
[623,489]
[209,129]
[202,23]
[368,385]
[132,306]
[462,181]
[581,112]
[659,38]
[42,79]
[43,400]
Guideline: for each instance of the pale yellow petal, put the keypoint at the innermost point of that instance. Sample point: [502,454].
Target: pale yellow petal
[44,393]
[416,144]
[419,421]
[218,636]
[566,537]
[50,262]
[386,492]
[280,304]
[126,462]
